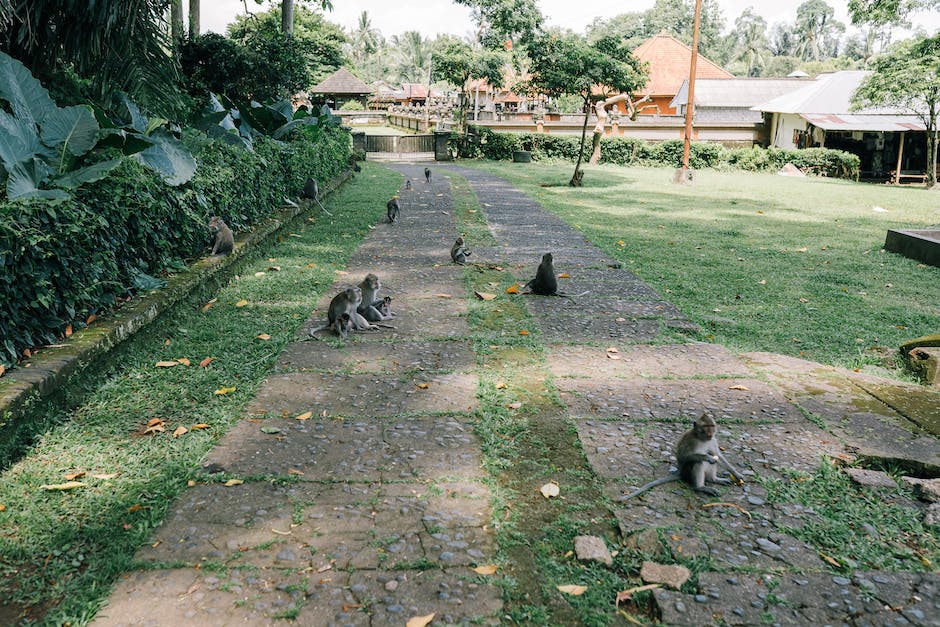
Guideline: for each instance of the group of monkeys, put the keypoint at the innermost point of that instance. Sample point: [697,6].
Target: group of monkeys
[393,208]
[357,308]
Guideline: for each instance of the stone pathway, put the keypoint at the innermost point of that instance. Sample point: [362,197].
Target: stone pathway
[386,508]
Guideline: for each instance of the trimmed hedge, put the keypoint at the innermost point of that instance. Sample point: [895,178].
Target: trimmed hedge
[60,262]
[499,146]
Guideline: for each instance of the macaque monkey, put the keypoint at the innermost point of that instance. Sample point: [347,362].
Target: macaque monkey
[223,238]
[345,303]
[386,307]
[312,191]
[459,252]
[427,175]
[408,184]
[343,325]
[370,307]
[545,282]
[698,457]
[392,209]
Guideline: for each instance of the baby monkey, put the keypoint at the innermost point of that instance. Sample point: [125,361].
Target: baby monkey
[343,325]
[459,252]
[697,456]
[392,209]
[223,238]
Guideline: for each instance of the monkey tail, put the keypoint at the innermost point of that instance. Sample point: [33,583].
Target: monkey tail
[652,484]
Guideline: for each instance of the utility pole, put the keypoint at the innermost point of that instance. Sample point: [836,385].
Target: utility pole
[690,104]
[427,98]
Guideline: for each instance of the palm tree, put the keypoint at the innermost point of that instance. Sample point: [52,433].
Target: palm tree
[816,30]
[364,40]
[412,56]
[750,40]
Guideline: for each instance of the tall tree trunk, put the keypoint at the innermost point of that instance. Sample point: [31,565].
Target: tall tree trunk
[176,22]
[287,17]
[193,18]
[578,173]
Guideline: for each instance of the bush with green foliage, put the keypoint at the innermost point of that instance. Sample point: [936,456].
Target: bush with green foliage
[499,146]
[61,261]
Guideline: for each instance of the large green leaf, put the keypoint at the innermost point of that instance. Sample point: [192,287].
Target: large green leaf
[18,140]
[27,97]
[135,119]
[169,157]
[92,173]
[24,178]
[71,129]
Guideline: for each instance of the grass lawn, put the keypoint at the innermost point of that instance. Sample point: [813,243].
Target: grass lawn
[761,262]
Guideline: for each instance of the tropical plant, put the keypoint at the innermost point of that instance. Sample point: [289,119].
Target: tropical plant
[816,31]
[499,21]
[412,56]
[364,40]
[749,38]
[883,12]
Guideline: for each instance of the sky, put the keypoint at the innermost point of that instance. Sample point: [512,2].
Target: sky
[432,17]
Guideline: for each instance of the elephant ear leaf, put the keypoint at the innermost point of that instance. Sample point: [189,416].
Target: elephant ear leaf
[18,140]
[169,157]
[28,99]
[23,182]
[71,129]
[89,174]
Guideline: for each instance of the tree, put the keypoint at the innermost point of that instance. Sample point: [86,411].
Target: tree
[193,18]
[364,40]
[749,41]
[456,62]
[908,77]
[499,21]
[412,56]
[884,12]
[816,30]
[567,64]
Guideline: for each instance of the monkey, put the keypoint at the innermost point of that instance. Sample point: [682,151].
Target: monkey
[545,282]
[459,252]
[408,184]
[224,239]
[370,307]
[698,456]
[427,175]
[386,307]
[356,168]
[312,191]
[342,325]
[392,209]
[346,302]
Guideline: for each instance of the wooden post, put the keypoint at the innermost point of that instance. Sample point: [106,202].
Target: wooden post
[690,104]
[897,170]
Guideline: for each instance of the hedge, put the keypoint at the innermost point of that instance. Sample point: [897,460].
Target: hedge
[60,262]
[499,146]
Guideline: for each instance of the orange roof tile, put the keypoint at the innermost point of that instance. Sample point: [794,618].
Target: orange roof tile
[669,61]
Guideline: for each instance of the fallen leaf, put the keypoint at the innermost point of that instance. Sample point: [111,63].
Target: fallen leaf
[804,300]
[485,295]
[68,331]
[763,282]
[3,507]
[155,421]
[208,305]
[190,483]
[201,425]
[423,386]
[564,275]
[75,475]
[572,589]
[182,360]
[501,385]
[802,249]
[264,336]
[241,303]
[550,490]
[205,362]
[136,507]
[443,295]
[155,425]
[513,289]
[488,569]
[307,415]
[222,391]
[419,621]
[514,405]
[613,356]
[167,364]
[231,482]
[294,471]
[274,268]
[2,369]
[180,430]
[340,272]
[69,485]
[743,388]
[270,430]
[105,475]
[259,273]
[91,319]
[311,265]
[627,594]
[831,560]
[612,349]
[523,332]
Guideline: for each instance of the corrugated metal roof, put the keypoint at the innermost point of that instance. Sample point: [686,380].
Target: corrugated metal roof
[863,122]
[829,93]
[736,92]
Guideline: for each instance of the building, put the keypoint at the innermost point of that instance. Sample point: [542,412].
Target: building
[339,88]
[891,143]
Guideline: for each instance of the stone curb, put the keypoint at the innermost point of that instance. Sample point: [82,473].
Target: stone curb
[53,367]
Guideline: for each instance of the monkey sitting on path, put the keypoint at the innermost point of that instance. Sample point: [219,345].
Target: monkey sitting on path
[223,238]
[545,282]
[345,305]
[459,252]
[697,456]
[371,307]
[427,175]
[392,209]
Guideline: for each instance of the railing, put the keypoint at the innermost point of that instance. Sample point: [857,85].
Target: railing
[399,143]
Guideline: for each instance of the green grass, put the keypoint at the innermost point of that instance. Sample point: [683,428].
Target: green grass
[60,551]
[761,262]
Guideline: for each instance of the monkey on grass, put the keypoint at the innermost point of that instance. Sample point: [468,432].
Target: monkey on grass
[698,457]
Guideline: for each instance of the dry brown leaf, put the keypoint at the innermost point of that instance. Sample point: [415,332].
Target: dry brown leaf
[91,319]
[564,275]
[743,388]
[2,369]
[514,405]
[241,303]
[763,282]
[423,386]
[231,482]
[572,589]
[485,295]
[68,331]
[613,356]
[274,268]
[136,507]
[201,425]
[259,273]
[513,289]
[419,621]
[340,272]
[443,295]
[802,249]
[550,490]
[523,332]
[226,390]
[831,560]
[69,485]
[182,360]
[155,421]
[307,415]
[180,430]
[501,385]
[487,569]
[208,305]
[190,483]
[613,349]
[627,594]
[167,364]
[205,362]
[311,265]
[3,507]
[294,471]
[74,475]
[155,425]
[264,336]
[105,475]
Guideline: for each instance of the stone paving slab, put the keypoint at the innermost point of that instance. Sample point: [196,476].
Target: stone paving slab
[676,360]
[579,328]
[352,395]
[378,357]
[728,400]
[351,450]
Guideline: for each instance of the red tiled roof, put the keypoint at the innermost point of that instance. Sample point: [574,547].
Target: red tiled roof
[669,61]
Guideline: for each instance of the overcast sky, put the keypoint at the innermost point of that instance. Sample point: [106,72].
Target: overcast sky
[431,17]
